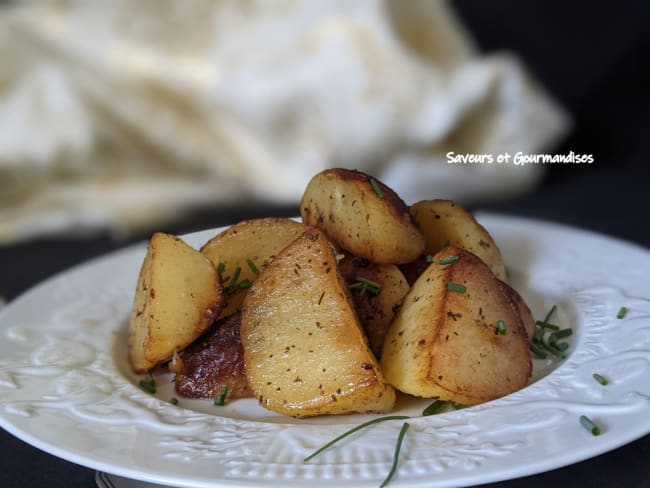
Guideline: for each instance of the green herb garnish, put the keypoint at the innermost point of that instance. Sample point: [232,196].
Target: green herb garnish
[246,283]
[428,258]
[232,286]
[447,243]
[220,399]
[376,188]
[148,384]
[353,430]
[600,379]
[559,334]
[546,325]
[436,407]
[173,401]
[622,312]
[589,425]
[449,260]
[550,313]
[364,285]
[540,345]
[220,269]
[398,447]
[537,351]
[455,287]
[252,266]
[501,327]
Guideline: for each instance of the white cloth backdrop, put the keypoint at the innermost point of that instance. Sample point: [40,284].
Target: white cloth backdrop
[123,113]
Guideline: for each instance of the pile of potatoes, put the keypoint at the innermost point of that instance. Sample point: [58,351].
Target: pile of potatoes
[364,297]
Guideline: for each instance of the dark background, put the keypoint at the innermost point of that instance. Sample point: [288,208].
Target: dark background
[592,56]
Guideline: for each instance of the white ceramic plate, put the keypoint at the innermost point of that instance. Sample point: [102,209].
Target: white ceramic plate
[65,386]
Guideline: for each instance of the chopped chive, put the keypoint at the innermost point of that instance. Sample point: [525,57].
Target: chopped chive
[449,260]
[538,338]
[233,285]
[434,408]
[447,243]
[556,351]
[560,334]
[547,325]
[541,344]
[554,336]
[370,283]
[589,425]
[363,285]
[351,431]
[455,287]
[398,447]
[429,258]
[622,312]
[600,379]
[148,384]
[244,284]
[560,346]
[220,269]
[220,399]
[537,351]
[501,327]
[235,275]
[376,188]
[173,401]
[252,266]
[457,406]
[550,313]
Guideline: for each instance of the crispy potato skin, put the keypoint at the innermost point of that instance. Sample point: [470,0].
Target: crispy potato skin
[257,240]
[345,204]
[375,312]
[304,349]
[442,221]
[178,296]
[524,310]
[445,343]
[213,361]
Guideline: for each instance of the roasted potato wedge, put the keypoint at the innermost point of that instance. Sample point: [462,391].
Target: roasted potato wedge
[445,221]
[362,216]
[254,241]
[377,293]
[304,349]
[177,298]
[446,342]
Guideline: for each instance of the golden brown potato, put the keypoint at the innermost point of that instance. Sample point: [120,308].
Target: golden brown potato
[304,349]
[361,215]
[254,241]
[177,298]
[524,311]
[445,221]
[446,343]
[376,306]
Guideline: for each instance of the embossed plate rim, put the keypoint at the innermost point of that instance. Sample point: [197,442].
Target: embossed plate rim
[477,434]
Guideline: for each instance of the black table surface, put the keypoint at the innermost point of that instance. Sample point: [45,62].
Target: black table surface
[590,57]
